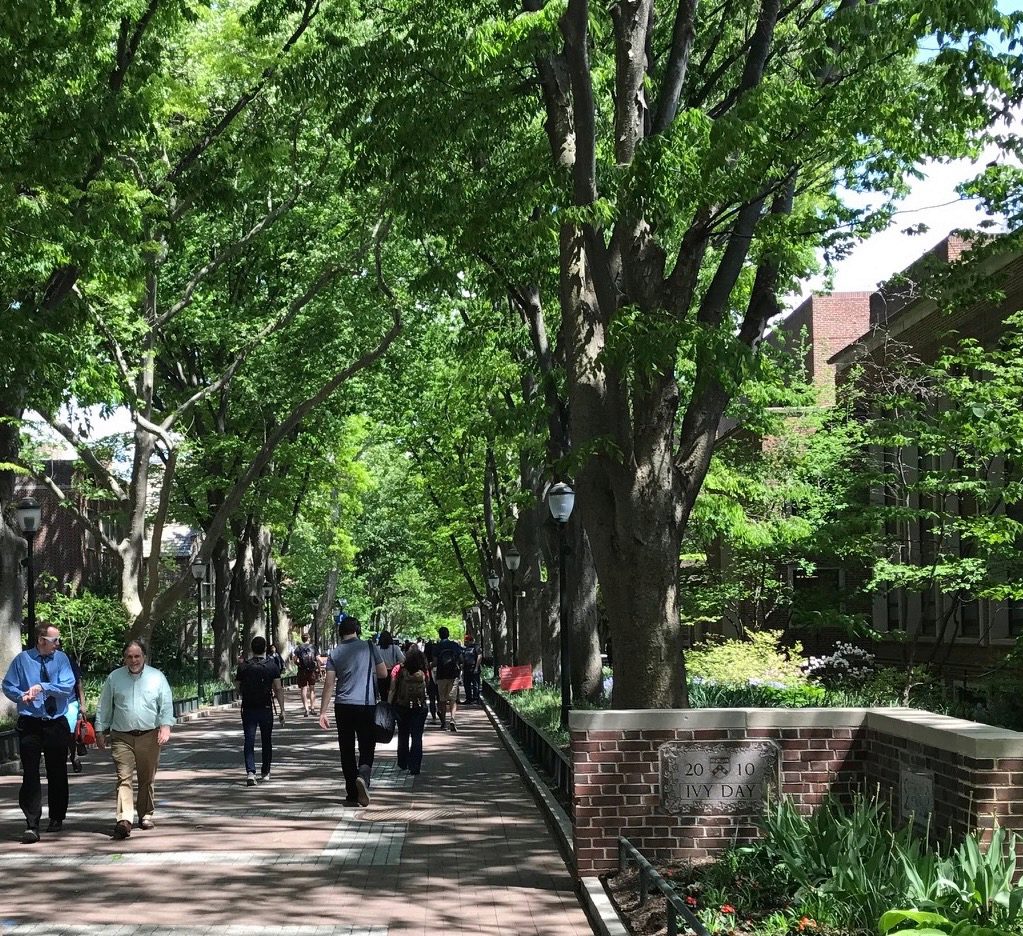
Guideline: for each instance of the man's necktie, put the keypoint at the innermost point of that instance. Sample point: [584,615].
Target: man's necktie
[51,703]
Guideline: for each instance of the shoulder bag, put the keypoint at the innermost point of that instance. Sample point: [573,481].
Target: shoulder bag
[383,717]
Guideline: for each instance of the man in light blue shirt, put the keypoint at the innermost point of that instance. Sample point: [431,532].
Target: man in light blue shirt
[40,681]
[135,715]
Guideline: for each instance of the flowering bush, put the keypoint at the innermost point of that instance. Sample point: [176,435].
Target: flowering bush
[758,660]
[847,665]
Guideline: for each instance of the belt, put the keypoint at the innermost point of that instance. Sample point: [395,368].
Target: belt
[136,733]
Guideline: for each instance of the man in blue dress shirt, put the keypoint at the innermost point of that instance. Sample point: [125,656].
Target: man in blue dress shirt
[40,681]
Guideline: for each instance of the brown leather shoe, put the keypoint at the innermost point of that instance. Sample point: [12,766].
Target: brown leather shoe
[122,830]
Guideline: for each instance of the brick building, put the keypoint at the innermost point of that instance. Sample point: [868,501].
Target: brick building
[902,312]
[65,548]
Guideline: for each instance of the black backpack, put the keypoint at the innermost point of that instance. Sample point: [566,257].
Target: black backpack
[306,658]
[256,679]
[448,657]
[469,657]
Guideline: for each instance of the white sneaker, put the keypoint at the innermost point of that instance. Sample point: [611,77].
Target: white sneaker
[265,777]
[250,780]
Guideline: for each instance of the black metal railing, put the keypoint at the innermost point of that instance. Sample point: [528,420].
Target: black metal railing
[649,877]
[542,749]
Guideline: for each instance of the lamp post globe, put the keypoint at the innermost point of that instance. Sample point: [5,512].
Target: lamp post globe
[493,581]
[512,560]
[512,557]
[28,515]
[560,501]
[199,569]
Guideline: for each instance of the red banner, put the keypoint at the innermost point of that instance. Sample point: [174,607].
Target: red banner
[516,678]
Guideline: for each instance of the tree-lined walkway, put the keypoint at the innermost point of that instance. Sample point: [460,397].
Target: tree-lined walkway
[459,849]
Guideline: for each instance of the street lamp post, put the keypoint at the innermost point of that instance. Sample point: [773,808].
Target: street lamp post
[316,626]
[268,591]
[560,501]
[512,559]
[199,574]
[29,514]
[493,581]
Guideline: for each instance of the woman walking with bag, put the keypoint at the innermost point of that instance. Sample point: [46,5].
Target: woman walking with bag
[408,698]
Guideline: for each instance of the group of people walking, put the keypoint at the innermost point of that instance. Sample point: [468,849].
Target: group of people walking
[133,719]
[135,712]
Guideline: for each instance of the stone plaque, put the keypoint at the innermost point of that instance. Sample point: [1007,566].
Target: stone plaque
[717,777]
[916,795]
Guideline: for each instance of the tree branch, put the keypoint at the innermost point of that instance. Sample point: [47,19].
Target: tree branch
[221,258]
[83,518]
[683,35]
[312,7]
[97,469]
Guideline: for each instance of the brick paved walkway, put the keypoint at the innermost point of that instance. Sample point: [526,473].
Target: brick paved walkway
[459,849]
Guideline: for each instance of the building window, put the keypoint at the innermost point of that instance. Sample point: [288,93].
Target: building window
[969,618]
[1015,617]
[893,616]
[928,613]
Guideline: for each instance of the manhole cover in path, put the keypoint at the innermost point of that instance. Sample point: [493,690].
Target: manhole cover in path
[412,814]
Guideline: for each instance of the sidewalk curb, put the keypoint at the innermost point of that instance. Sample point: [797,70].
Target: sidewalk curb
[599,908]
[207,712]
[557,818]
[601,913]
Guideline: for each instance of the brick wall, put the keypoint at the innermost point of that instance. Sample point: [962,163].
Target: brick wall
[976,772]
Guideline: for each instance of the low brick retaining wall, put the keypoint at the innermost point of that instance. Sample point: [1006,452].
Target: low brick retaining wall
[630,773]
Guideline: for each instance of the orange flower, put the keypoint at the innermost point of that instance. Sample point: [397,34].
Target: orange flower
[691,901]
[727,908]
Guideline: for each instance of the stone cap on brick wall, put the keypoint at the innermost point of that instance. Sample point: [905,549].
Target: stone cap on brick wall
[971,739]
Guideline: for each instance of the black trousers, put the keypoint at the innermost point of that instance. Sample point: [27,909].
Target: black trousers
[471,684]
[261,719]
[355,721]
[43,739]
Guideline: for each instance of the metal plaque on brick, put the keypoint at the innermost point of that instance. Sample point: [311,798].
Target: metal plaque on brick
[916,795]
[717,777]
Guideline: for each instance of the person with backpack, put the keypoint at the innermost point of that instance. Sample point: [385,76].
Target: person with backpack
[408,698]
[259,680]
[392,655]
[308,664]
[471,660]
[447,657]
[353,667]
[431,682]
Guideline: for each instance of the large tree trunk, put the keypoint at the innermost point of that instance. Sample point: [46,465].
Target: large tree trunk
[12,547]
[527,579]
[223,623]
[587,674]
[131,546]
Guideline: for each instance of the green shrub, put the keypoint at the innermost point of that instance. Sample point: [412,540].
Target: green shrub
[716,695]
[736,662]
[92,627]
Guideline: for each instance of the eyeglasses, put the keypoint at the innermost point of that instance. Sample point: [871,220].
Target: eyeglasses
[51,639]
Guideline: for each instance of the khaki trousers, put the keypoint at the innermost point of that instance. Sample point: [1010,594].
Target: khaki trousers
[135,754]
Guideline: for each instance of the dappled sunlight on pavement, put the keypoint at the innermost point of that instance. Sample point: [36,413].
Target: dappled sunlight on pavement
[461,848]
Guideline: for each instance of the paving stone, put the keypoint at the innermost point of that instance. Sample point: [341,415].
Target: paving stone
[466,824]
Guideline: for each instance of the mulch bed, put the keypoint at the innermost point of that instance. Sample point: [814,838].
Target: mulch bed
[650,919]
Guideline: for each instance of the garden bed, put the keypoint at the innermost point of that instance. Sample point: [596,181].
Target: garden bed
[845,869]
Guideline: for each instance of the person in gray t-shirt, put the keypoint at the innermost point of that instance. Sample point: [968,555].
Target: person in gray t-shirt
[352,670]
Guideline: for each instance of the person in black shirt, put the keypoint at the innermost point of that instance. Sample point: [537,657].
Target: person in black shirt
[259,679]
